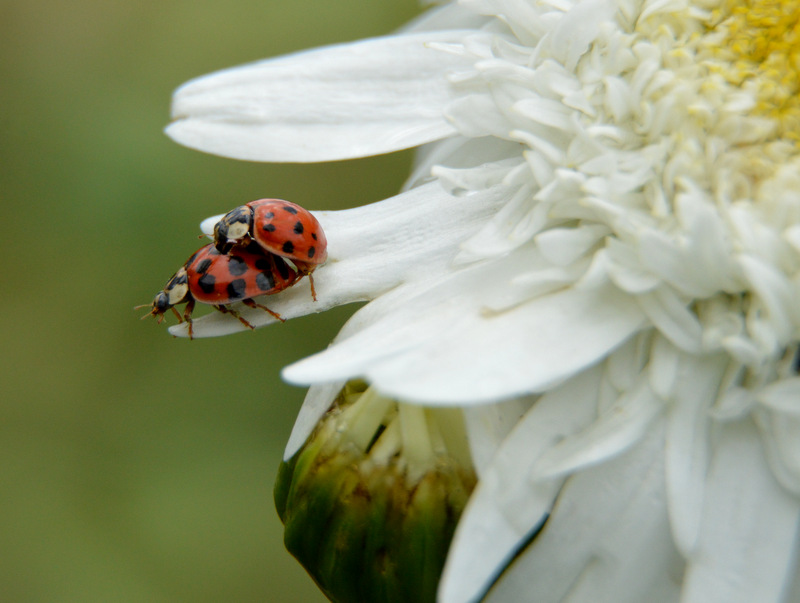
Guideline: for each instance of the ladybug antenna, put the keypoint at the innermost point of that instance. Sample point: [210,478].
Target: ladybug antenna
[150,313]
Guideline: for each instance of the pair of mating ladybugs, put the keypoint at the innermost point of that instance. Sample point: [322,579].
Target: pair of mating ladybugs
[259,248]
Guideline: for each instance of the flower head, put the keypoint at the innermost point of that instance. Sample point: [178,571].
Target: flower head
[597,257]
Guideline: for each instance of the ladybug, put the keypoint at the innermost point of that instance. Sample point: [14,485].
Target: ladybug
[279,227]
[211,277]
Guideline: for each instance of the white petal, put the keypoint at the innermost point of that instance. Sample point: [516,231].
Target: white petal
[688,431]
[371,250]
[775,291]
[489,424]
[458,352]
[317,402]
[457,153]
[671,316]
[571,38]
[625,270]
[207,225]
[607,540]
[783,396]
[506,506]
[614,431]
[782,443]
[701,264]
[351,100]
[563,246]
[663,367]
[734,404]
[509,228]
[749,527]
[794,594]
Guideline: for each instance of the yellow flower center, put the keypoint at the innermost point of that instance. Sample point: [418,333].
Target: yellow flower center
[758,49]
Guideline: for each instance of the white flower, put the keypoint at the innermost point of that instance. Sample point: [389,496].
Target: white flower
[597,257]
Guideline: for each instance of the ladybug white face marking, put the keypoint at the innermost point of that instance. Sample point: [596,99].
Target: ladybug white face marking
[233,228]
[238,231]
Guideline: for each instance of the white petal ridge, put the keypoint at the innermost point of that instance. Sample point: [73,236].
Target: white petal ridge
[337,102]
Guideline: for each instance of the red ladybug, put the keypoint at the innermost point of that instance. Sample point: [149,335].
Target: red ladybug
[279,227]
[218,279]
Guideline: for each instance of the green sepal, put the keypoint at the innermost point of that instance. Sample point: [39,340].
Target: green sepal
[365,533]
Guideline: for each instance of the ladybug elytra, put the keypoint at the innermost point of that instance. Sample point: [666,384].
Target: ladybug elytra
[219,280]
[279,227]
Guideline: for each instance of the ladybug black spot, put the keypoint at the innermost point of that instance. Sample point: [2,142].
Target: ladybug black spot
[237,289]
[314,235]
[237,266]
[265,281]
[288,247]
[269,215]
[263,264]
[298,228]
[207,282]
[269,227]
[283,269]
[203,266]
[291,210]
[311,252]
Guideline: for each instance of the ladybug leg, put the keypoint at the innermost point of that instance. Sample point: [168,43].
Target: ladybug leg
[306,270]
[251,304]
[311,282]
[176,313]
[187,315]
[234,313]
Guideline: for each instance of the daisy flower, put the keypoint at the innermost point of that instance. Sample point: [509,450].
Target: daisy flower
[594,266]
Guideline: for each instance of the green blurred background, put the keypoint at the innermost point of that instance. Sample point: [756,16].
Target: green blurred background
[135,466]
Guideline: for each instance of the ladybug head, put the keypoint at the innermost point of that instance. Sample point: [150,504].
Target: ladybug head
[160,305]
[233,229]
[176,291]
